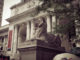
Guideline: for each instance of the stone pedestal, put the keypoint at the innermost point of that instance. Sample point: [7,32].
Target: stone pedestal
[37,50]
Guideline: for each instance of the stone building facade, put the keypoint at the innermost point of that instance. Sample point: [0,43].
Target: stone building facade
[28,35]
[1,9]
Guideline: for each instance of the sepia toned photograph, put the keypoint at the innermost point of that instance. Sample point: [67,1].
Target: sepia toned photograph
[39,29]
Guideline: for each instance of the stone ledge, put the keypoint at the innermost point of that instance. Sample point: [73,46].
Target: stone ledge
[37,43]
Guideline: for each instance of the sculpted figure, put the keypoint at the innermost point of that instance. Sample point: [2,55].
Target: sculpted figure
[40,29]
[22,32]
[41,33]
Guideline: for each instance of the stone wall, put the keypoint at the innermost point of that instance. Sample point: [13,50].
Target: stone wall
[1,10]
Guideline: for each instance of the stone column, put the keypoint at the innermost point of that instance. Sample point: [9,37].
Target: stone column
[15,39]
[32,29]
[49,24]
[28,31]
[53,24]
[4,43]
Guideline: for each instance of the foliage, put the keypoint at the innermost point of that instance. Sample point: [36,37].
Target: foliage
[61,10]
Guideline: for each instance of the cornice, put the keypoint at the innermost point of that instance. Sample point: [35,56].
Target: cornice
[19,4]
[26,15]
[16,5]
[2,28]
[3,34]
[23,14]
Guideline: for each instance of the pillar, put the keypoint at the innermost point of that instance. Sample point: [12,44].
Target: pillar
[32,29]
[28,31]
[49,26]
[15,42]
[4,43]
[53,24]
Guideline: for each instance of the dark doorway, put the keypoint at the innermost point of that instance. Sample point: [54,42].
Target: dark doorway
[4,57]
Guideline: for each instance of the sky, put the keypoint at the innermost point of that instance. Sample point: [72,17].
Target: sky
[7,11]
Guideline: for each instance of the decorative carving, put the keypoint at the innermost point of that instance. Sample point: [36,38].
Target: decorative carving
[40,28]
[41,33]
[22,32]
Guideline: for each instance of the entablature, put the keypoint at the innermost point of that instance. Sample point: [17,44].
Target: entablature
[23,6]
[4,30]
[26,16]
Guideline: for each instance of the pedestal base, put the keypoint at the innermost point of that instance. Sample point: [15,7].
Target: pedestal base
[38,52]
